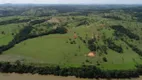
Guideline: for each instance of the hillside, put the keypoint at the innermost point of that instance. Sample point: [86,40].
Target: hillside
[65,38]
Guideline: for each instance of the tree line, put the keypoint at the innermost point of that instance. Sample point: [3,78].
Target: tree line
[84,71]
[113,46]
[15,20]
[134,48]
[121,30]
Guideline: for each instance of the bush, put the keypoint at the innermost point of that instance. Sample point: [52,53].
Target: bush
[104,59]
[86,60]
[3,32]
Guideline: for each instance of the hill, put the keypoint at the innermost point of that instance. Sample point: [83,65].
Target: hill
[65,38]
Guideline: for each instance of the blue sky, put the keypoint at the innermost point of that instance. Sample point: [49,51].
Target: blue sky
[73,1]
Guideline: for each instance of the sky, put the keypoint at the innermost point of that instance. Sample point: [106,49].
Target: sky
[72,1]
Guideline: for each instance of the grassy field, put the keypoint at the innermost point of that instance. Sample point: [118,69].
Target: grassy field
[8,31]
[53,47]
[56,49]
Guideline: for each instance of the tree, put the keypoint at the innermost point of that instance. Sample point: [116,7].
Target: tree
[3,32]
[104,59]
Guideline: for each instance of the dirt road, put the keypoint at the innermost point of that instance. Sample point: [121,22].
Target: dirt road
[13,76]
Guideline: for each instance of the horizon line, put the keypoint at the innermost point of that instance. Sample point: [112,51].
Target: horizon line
[74,3]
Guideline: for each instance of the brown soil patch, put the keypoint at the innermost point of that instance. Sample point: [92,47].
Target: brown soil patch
[54,20]
[91,54]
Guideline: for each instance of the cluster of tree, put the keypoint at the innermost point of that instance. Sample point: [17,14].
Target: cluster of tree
[139,68]
[14,20]
[38,21]
[84,41]
[39,11]
[112,17]
[84,22]
[3,32]
[139,16]
[134,48]
[104,49]
[118,15]
[6,11]
[82,71]
[72,41]
[61,30]
[136,12]
[104,59]
[120,29]
[113,46]
[91,45]
[118,34]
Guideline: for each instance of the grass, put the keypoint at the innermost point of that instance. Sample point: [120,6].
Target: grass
[8,30]
[4,40]
[56,49]
[126,60]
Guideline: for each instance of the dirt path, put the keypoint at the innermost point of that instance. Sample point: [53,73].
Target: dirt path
[14,76]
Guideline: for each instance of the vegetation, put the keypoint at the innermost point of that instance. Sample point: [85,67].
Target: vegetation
[114,47]
[81,72]
[60,37]
[122,30]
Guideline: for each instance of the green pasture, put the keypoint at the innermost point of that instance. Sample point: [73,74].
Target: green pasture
[8,31]
[56,49]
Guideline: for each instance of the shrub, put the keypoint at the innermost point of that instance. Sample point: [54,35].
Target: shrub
[86,60]
[104,59]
